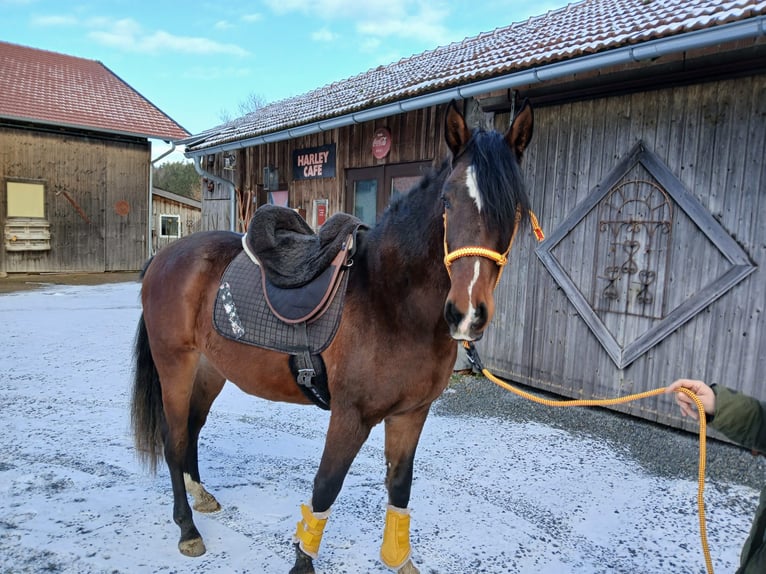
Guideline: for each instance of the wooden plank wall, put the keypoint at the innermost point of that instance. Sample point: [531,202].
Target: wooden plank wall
[191,220]
[416,135]
[712,136]
[127,181]
[83,177]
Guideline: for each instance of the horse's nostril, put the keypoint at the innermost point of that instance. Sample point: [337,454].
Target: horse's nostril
[451,314]
[480,316]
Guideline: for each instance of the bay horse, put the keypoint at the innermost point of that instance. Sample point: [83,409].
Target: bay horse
[422,279]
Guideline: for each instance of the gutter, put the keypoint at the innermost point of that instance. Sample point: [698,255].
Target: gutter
[224,182]
[751,28]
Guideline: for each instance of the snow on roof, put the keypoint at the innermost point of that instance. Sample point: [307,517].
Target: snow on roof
[578,29]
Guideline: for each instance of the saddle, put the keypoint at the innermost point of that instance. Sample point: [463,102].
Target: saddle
[285,291]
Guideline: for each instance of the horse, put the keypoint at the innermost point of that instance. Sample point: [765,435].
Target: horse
[422,281]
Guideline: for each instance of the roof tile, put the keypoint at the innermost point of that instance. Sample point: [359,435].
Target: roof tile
[52,88]
[578,29]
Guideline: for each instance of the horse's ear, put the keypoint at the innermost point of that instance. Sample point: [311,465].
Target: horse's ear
[456,132]
[520,133]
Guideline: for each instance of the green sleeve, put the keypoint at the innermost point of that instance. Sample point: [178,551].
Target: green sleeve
[741,418]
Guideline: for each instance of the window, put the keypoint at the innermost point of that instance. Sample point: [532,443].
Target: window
[26,228]
[370,189]
[26,200]
[170,226]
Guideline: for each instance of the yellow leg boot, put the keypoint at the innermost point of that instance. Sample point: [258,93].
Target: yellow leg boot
[308,535]
[396,537]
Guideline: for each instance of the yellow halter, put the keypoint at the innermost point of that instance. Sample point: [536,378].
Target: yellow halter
[500,258]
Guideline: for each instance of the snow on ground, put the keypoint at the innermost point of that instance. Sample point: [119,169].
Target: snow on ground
[490,495]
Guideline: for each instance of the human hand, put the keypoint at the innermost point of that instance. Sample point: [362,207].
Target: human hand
[688,407]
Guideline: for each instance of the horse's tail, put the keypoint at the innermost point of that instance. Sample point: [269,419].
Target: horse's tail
[146,407]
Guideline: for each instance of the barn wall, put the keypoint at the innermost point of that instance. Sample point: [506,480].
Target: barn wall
[190,217]
[126,206]
[84,178]
[712,138]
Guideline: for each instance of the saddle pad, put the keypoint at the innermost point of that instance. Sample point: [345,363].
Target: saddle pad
[242,314]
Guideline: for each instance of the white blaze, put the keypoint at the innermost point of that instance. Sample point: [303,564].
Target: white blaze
[464,329]
[473,186]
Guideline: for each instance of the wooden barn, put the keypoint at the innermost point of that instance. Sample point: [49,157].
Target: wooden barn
[75,164]
[646,172]
[173,216]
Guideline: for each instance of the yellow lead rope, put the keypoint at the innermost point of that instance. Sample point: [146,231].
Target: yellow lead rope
[473,357]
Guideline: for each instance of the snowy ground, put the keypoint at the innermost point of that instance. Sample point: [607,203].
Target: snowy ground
[490,495]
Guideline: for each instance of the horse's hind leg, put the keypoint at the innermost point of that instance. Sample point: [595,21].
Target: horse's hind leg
[345,436]
[402,436]
[207,385]
[177,378]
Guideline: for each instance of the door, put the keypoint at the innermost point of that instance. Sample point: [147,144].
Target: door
[369,190]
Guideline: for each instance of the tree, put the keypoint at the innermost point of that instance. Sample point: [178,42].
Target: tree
[251,103]
[179,177]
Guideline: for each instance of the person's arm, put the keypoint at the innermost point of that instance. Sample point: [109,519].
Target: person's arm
[687,405]
[741,418]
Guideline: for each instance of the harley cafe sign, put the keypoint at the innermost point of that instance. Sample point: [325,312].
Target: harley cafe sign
[315,162]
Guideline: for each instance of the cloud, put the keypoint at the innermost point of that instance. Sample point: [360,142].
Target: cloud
[251,17]
[128,35]
[422,21]
[46,21]
[324,35]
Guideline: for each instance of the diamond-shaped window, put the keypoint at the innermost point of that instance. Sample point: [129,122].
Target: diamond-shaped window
[621,257]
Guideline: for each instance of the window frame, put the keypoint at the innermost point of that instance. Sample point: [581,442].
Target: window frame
[175,216]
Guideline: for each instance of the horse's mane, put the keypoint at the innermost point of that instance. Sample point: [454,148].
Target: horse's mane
[499,178]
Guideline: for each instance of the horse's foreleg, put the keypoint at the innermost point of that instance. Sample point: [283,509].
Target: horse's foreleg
[402,436]
[177,386]
[345,437]
[207,386]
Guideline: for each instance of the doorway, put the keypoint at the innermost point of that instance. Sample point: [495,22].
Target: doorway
[369,190]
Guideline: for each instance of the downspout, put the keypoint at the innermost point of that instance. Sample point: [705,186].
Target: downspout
[151,206]
[226,184]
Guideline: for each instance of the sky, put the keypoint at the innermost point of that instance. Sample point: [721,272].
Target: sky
[491,494]
[200,61]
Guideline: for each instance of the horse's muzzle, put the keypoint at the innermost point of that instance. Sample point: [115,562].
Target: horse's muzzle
[466,326]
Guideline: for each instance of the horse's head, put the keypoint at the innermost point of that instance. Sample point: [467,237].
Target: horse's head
[484,201]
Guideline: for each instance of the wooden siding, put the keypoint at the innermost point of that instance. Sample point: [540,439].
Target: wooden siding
[416,136]
[711,137]
[127,181]
[84,178]
[190,220]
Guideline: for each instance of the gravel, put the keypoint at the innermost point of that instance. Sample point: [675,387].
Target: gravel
[661,450]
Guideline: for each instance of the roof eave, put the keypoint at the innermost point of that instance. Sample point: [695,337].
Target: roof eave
[750,28]
[83,127]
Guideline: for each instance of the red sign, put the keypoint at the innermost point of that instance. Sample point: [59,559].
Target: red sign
[321,214]
[381,143]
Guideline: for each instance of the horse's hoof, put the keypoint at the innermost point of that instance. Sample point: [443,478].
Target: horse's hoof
[206,503]
[304,564]
[408,568]
[193,548]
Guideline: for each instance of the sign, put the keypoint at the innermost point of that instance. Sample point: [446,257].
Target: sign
[320,212]
[381,143]
[314,163]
